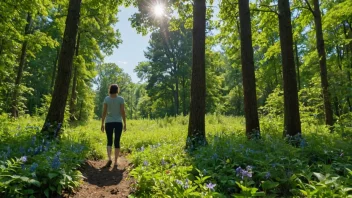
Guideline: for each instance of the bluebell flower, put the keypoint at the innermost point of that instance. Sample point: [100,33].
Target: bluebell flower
[244,173]
[163,162]
[8,153]
[22,150]
[57,129]
[47,125]
[267,175]
[186,185]
[23,159]
[179,182]
[145,163]
[215,156]
[142,149]
[238,170]
[33,167]
[34,138]
[303,143]
[36,151]
[205,171]
[210,186]
[55,164]
[249,168]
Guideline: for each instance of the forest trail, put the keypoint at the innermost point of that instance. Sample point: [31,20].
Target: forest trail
[102,182]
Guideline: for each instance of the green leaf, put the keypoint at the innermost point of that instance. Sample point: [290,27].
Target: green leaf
[320,176]
[259,194]
[269,185]
[34,182]
[46,192]
[52,175]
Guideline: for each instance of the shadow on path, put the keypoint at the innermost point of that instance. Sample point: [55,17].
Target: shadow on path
[96,174]
[105,182]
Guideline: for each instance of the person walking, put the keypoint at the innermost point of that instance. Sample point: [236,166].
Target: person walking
[112,118]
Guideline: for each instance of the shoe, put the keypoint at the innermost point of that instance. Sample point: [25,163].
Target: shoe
[108,164]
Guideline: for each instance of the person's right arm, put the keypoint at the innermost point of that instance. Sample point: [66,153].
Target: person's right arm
[123,114]
[105,110]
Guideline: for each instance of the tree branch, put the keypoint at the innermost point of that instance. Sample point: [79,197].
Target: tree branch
[309,7]
[259,10]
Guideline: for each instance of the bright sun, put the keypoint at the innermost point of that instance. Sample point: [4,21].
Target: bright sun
[158,10]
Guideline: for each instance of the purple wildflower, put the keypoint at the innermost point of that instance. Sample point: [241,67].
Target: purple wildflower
[145,163]
[55,164]
[210,186]
[163,162]
[267,175]
[33,167]
[186,186]
[249,168]
[23,159]
[179,182]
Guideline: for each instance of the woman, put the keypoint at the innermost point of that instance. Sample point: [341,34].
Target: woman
[113,115]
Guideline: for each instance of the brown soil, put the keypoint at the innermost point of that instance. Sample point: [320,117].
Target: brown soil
[102,182]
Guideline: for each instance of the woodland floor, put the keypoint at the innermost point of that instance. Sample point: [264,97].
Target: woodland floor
[104,182]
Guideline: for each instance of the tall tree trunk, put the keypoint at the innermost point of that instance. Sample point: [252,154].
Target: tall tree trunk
[336,104]
[176,93]
[297,64]
[184,95]
[249,87]
[54,69]
[14,107]
[322,62]
[81,110]
[292,123]
[56,112]
[196,126]
[74,84]
[349,62]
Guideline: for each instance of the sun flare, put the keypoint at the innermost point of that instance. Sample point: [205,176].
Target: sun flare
[158,10]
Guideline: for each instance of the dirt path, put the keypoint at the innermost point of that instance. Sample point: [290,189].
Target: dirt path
[105,182]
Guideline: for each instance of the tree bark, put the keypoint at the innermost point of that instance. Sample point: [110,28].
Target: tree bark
[196,126]
[74,84]
[249,87]
[349,61]
[81,110]
[184,95]
[14,107]
[322,62]
[55,116]
[176,93]
[336,104]
[292,123]
[297,64]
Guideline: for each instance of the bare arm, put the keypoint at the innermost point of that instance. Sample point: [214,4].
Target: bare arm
[123,114]
[105,111]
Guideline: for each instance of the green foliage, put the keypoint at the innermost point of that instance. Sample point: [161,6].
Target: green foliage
[32,165]
[230,165]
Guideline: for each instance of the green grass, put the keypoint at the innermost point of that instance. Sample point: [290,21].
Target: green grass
[269,167]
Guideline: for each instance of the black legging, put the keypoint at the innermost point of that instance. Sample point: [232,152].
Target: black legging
[109,128]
